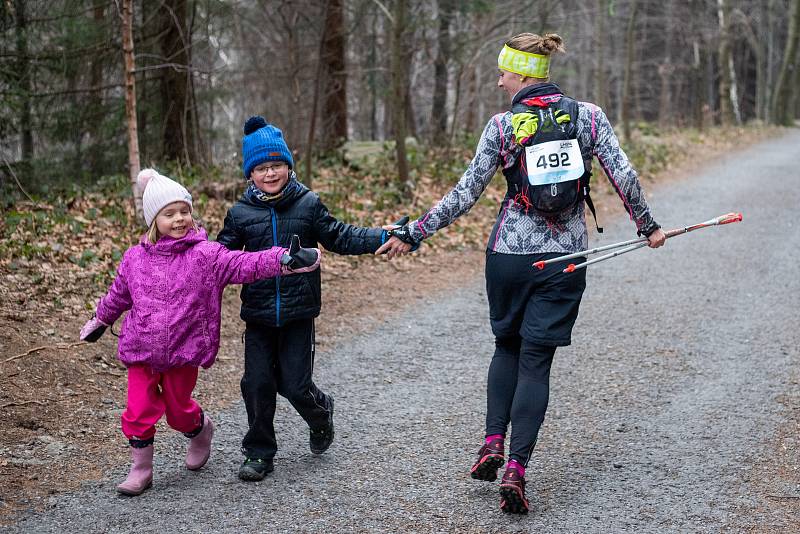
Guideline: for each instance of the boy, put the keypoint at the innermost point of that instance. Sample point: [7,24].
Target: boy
[279,313]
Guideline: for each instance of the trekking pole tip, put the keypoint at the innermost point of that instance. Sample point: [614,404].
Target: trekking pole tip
[570,268]
[539,265]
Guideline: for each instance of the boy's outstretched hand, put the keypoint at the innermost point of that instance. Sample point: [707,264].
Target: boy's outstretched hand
[298,259]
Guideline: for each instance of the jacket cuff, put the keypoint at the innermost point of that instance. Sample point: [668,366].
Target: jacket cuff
[647,229]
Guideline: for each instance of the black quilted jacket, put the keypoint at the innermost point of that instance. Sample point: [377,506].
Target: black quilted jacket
[251,225]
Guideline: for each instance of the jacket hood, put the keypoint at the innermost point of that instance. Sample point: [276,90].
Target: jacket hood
[170,245]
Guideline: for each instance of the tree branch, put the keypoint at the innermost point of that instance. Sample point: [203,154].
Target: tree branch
[42,347]
[14,175]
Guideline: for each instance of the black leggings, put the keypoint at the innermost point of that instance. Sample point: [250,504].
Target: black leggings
[518,391]
[532,312]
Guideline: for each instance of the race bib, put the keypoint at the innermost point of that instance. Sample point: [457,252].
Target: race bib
[553,162]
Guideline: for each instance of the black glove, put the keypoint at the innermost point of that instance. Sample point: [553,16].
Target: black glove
[403,233]
[92,330]
[298,259]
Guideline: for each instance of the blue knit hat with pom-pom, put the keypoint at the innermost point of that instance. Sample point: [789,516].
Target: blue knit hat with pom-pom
[263,142]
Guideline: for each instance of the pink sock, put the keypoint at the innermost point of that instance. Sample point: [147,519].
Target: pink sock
[513,464]
[493,437]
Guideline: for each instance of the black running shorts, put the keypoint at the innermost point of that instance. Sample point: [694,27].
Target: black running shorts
[539,305]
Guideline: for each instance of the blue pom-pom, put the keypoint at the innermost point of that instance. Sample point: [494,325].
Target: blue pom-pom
[254,123]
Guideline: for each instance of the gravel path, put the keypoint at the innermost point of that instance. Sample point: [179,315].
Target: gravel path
[659,409]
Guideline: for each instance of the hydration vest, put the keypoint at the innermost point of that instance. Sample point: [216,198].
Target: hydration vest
[550,174]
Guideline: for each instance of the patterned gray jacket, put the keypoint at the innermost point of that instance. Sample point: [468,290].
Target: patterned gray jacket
[521,231]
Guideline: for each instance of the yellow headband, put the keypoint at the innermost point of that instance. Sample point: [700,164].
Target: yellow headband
[524,63]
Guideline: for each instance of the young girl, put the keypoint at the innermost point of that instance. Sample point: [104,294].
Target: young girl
[172,283]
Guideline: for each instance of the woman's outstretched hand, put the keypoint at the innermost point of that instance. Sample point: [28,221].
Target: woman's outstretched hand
[395,246]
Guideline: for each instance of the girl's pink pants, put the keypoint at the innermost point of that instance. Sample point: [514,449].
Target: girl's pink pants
[151,395]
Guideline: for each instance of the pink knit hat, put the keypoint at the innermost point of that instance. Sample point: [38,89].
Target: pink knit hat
[158,192]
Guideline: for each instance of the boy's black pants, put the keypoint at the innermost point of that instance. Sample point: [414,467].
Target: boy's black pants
[279,360]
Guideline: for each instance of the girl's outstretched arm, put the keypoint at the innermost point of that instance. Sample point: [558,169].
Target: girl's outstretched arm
[239,267]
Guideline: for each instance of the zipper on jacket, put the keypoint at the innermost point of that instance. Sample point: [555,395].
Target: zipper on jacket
[277,278]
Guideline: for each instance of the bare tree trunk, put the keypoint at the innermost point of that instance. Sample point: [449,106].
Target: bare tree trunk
[176,93]
[759,51]
[293,59]
[630,54]
[770,75]
[470,116]
[696,84]
[782,110]
[372,80]
[308,157]
[23,75]
[189,104]
[399,83]
[439,112]
[457,103]
[762,90]
[666,71]
[130,103]
[600,84]
[725,62]
[411,120]
[96,100]
[333,59]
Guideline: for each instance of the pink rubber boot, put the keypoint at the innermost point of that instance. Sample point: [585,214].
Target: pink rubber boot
[200,446]
[141,475]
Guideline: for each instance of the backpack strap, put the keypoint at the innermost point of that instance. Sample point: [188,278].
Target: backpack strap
[585,183]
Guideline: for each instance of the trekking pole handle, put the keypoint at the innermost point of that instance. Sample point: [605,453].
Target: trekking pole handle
[728,218]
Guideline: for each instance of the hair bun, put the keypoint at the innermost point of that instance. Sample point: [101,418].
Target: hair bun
[254,123]
[144,177]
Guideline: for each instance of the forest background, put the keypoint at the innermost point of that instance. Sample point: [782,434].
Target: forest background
[382,102]
[338,71]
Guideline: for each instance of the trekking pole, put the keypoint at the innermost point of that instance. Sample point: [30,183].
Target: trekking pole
[722,219]
[540,264]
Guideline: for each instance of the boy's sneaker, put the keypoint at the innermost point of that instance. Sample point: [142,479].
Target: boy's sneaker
[254,469]
[320,439]
[512,493]
[490,459]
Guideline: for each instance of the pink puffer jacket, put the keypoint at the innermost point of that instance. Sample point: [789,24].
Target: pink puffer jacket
[173,290]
